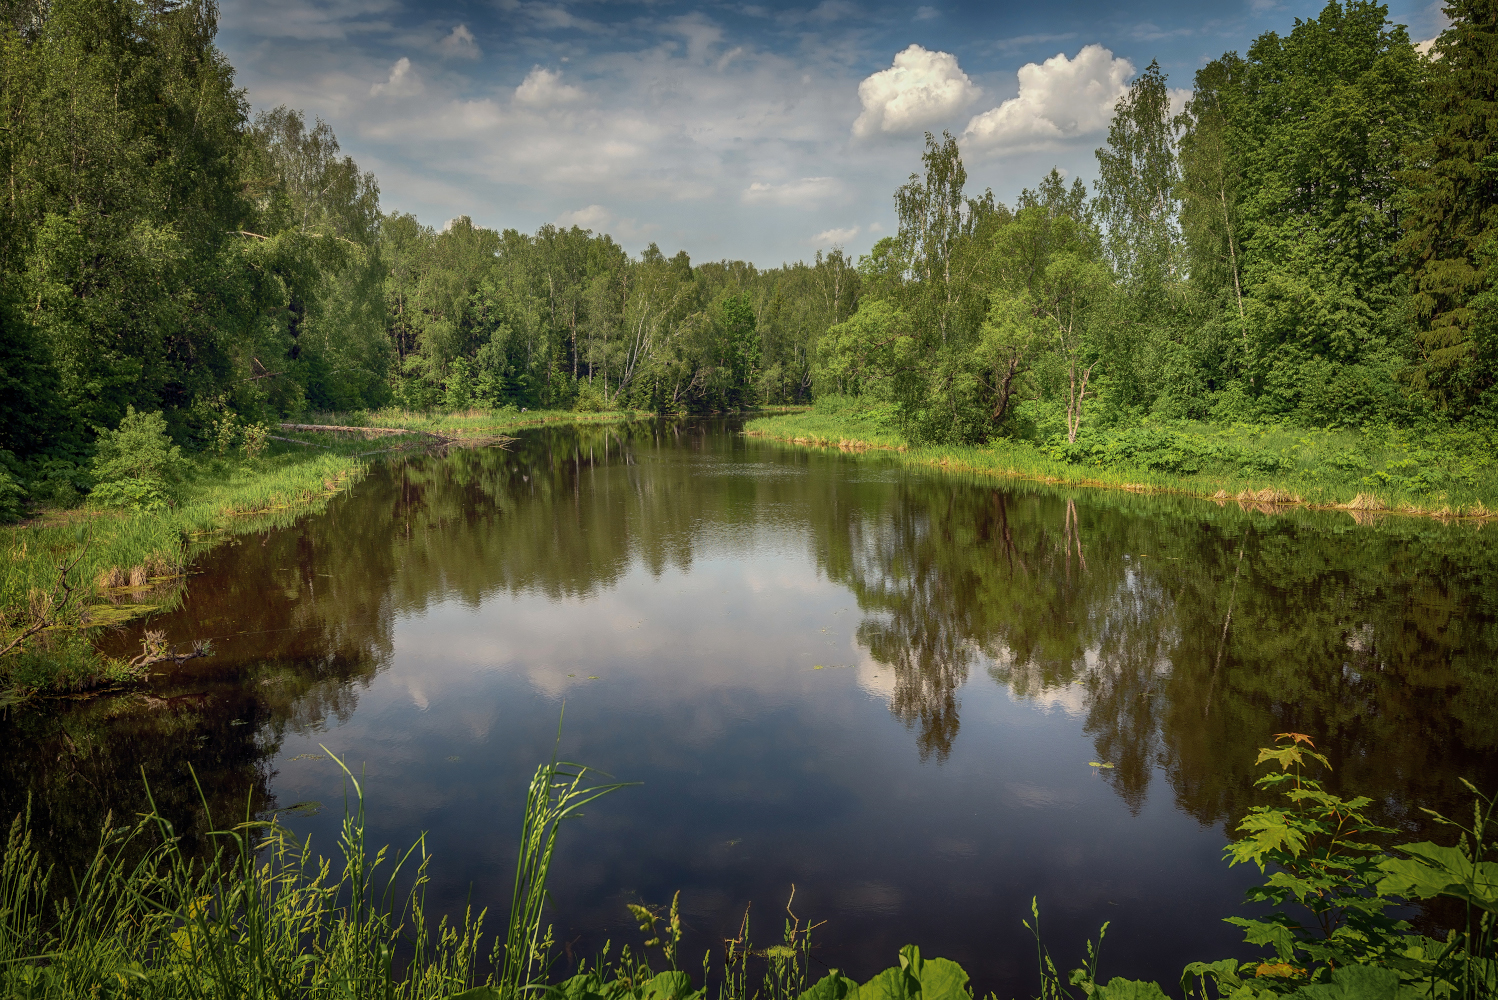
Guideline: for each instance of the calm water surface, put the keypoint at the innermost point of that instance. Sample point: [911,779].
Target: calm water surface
[882,687]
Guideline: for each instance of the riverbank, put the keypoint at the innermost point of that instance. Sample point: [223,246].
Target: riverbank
[1447,475]
[121,565]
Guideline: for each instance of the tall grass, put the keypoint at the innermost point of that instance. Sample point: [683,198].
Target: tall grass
[261,918]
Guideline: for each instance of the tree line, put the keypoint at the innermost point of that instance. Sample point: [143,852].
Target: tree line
[1309,241]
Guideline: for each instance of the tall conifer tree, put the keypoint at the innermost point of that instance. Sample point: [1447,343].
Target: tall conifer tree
[1453,205]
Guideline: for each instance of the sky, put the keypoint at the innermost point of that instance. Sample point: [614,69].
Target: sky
[759,131]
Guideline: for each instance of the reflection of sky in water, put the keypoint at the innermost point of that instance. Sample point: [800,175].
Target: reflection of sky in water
[761,770]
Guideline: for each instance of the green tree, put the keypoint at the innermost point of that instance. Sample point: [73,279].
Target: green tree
[939,265]
[1136,188]
[1452,211]
[740,351]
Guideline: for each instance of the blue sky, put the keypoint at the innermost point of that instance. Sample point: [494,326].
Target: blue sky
[760,131]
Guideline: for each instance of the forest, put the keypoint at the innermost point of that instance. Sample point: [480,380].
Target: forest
[1307,244]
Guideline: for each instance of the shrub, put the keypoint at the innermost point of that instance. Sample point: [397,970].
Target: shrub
[59,482]
[136,464]
[256,440]
[138,449]
[589,399]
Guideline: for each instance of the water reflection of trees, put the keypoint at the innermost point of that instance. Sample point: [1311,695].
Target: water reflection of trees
[302,616]
[1380,641]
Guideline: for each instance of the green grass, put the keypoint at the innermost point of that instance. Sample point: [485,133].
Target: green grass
[263,917]
[1447,474]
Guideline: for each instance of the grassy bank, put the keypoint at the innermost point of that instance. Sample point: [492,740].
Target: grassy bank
[122,564]
[1447,474]
[264,917]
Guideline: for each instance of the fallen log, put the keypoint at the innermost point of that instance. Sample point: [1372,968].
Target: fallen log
[366,431]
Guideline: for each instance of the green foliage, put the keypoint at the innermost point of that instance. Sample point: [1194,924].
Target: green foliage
[556,794]
[1137,183]
[136,464]
[1322,861]
[1167,449]
[134,493]
[1452,208]
[1449,472]
[12,497]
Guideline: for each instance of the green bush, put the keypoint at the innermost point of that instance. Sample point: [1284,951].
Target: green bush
[59,482]
[138,449]
[1161,449]
[136,464]
[589,399]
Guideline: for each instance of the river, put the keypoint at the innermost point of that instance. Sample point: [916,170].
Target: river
[887,687]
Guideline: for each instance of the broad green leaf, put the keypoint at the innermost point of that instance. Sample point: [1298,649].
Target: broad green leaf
[1223,973]
[1269,830]
[833,986]
[1264,932]
[587,986]
[1249,992]
[891,984]
[943,979]
[478,993]
[669,986]
[1433,870]
[1129,989]
[1358,982]
[1289,756]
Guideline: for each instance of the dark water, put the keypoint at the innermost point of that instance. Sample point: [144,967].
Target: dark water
[883,687]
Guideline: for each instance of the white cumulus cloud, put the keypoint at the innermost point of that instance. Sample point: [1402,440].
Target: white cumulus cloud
[403,81]
[593,217]
[919,90]
[834,237]
[543,88]
[461,44]
[804,192]
[1059,99]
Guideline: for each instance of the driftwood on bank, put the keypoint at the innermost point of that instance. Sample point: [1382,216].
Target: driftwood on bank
[366,431]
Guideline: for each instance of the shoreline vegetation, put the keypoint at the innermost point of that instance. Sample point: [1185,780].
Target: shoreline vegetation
[261,916]
[1362,473]
[67,574]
